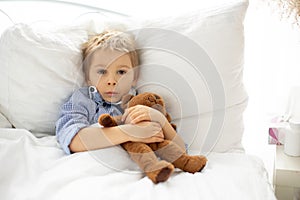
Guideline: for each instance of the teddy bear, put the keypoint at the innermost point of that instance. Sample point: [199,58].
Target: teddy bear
[146,155]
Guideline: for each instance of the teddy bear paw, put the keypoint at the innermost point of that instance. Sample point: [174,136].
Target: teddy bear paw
[203,161]
[106,120]
[193,164]
[161,174]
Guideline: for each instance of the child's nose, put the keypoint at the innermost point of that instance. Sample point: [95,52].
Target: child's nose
[111,81]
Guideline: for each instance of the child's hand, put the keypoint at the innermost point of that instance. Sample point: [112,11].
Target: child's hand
[146,132]
[141,113]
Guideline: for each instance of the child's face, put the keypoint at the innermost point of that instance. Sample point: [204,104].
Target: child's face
[111,72]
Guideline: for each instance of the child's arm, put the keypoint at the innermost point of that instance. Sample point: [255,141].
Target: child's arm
[139,113]
[73,128]
[91,138]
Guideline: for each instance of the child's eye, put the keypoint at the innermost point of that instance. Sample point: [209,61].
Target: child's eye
[101,71]
[122,72]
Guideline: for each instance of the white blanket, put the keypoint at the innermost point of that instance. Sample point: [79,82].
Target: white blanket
[36,169]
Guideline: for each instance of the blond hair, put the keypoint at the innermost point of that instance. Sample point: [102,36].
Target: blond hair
[113,40]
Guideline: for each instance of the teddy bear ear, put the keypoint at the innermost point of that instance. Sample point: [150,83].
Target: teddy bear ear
[125,100]
[157,96]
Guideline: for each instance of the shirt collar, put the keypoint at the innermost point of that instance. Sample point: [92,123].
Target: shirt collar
[95,96]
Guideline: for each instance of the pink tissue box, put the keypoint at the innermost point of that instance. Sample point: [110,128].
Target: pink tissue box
[276,137]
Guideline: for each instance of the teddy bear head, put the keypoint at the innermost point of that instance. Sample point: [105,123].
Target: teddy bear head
[147,99]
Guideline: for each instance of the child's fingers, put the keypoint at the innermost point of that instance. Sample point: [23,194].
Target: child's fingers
[132,114]
[139,118]
[126,113]
[136,114]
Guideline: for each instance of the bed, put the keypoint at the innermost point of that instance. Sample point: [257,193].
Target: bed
[193,59]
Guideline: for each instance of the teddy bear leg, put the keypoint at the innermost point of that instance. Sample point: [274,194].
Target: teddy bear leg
[171,152]
[142,154]
[164,171]
[190,164]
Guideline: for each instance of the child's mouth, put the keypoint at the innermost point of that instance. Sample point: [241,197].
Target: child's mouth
[111,93]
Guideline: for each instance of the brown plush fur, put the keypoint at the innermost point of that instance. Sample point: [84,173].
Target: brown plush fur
[145,155]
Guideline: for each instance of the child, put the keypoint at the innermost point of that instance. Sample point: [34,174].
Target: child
[110,66]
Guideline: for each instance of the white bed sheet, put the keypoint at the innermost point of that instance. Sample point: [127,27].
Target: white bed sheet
[36,168]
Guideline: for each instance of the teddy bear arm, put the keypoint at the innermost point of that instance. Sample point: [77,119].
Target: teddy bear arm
[107,120]
[168,117]
[174,126]
[118,119]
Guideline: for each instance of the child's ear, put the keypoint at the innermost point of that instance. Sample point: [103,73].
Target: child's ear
[88,81]
[136,76]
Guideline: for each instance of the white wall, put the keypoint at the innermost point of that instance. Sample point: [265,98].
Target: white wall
[272,68]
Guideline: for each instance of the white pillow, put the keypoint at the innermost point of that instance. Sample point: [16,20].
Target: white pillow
[203,89]
[5,20]
[195,61]
[4,123]
[39,70]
